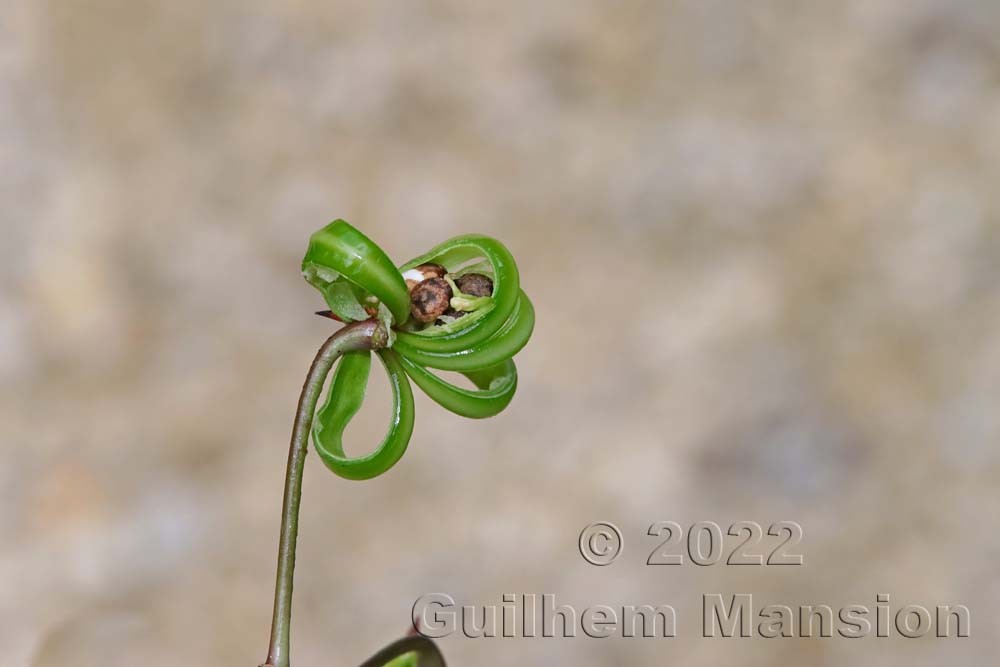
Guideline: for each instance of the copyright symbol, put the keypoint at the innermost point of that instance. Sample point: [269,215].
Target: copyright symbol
[600,543]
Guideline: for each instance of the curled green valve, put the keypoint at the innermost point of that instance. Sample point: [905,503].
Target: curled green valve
[459,307]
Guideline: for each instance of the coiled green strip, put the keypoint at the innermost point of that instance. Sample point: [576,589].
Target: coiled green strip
[344,399]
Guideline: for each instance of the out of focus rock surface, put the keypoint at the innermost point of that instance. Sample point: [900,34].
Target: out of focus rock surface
[762,239]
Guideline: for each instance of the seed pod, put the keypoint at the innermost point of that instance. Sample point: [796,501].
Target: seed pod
[475,284]
[418,274]
[430,299]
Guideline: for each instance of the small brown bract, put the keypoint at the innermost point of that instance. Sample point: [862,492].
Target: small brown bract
[475,284]
[430,299]
[451,312]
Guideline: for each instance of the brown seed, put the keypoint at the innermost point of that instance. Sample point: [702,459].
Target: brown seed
[475,284]
[431,270]
[430,299]
[426,271]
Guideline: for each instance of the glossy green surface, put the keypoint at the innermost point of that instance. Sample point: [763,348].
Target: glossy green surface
[496,386]
[343,400]
[340,250]
[507,341]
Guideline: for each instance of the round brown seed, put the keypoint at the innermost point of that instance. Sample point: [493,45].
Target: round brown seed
[430,299]
[431,270]
[475,284]
[427,271]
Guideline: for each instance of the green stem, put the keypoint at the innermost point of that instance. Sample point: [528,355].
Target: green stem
[366,335]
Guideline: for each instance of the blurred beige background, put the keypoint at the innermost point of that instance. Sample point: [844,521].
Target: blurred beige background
[762,241]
